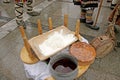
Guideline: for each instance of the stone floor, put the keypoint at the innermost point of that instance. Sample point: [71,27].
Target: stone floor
[11,66]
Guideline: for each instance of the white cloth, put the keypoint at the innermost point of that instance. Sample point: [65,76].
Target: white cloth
[33,70]
[84,40]
[44,74]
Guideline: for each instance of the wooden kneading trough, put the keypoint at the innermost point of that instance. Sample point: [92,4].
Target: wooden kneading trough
[38,41]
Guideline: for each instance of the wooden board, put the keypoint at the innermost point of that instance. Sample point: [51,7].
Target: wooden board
[26,58]
[36,41]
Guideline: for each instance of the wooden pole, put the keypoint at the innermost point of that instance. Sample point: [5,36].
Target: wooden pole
[77,30]
[39,26]
[50,23]
[101,1]
[27,46]
[66,20]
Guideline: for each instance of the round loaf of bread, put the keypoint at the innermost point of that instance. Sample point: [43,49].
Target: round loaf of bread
[84,52]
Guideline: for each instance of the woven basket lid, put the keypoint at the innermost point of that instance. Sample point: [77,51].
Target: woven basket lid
[82,51]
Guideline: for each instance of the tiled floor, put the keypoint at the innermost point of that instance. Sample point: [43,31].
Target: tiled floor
[11,66]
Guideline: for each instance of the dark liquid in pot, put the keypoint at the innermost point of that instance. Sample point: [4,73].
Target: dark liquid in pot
[64,66]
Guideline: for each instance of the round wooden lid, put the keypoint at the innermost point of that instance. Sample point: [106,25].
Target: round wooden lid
[82,51]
